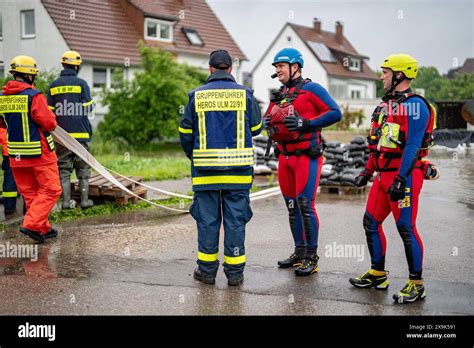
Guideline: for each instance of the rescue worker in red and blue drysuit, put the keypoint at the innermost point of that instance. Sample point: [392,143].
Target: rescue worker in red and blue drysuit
[400,135]
[294,119]
[216,134]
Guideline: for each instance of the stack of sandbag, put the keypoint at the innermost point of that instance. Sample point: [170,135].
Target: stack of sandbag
[262,165]
[344,162]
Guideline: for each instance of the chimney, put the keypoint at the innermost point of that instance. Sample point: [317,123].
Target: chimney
[339,27]
[317,25]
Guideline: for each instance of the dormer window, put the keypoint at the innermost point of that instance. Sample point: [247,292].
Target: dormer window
[158,30]
[193,36]
[354,64]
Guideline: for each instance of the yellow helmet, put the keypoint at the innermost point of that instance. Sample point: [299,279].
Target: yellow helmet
[23,64]
[403,63]
[71,58]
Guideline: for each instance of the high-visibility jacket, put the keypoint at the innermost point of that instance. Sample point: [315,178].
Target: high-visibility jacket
[216,133]
[24,134]
[69,98]
[3,141]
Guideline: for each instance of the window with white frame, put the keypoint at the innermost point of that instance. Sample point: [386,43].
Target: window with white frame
[99,77]
[354,64]
[158,30]
[108,77]
[28,29]
[357,92]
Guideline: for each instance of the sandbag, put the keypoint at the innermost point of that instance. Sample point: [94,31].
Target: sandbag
[333,144]
[358,139]
[329,155]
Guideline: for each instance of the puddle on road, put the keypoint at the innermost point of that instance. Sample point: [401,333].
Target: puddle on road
[98,250]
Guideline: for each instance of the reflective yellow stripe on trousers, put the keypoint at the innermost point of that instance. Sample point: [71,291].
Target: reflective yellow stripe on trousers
[207,257]
[234,260]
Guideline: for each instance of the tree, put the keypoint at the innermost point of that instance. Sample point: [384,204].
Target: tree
[431,81]
[460,87]
[149,107]
[42,81]
[438,87]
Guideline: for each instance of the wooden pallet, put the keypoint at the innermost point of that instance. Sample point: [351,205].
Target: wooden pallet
[100,189]
[342,189]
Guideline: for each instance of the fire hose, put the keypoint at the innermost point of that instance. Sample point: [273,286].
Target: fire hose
[62,137]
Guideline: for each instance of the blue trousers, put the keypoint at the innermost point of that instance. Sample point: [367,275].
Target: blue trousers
[9,190]
[210,209]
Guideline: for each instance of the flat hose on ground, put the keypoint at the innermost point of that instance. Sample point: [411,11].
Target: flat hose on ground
[63,137]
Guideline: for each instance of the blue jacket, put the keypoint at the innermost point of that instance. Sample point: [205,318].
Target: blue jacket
[70,99]
[216,134]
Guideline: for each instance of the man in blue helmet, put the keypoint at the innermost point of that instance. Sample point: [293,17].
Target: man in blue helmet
[294,119]
[216,134]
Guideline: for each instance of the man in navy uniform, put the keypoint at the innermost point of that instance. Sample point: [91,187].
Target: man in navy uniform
[216,134]
[70,99]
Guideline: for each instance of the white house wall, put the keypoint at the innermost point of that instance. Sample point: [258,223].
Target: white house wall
[46,47]
[368,86]
[261,80]
[202,62]
[367,105]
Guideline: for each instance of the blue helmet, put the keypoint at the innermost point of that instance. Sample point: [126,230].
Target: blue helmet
[289,55]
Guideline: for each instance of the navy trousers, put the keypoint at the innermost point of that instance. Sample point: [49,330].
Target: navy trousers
[210,209]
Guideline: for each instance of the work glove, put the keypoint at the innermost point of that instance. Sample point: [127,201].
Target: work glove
[362,179]
[296,123]
[267,118]
[397,189]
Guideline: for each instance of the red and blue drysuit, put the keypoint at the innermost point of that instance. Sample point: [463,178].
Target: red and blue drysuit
[298,173]
[407,119]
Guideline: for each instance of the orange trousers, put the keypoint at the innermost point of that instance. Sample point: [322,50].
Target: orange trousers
[41,188]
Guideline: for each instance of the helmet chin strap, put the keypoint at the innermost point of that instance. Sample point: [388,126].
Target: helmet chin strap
[395,82]
[25,79]
[292,75]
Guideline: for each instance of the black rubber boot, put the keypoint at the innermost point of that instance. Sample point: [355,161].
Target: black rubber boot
[236,280]
[52,233]
[35,235]
[206,279]
[295,259]
[309,265]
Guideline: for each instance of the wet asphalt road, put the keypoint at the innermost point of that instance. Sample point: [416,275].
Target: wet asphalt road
[142,262]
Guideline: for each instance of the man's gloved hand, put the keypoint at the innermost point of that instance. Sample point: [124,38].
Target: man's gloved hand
[296,123]
[362,179]
[397,189]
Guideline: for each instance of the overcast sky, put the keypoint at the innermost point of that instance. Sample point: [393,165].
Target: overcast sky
[437,33]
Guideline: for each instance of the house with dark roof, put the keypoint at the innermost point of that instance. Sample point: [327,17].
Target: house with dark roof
[330,60]
[106,34]
[466,68]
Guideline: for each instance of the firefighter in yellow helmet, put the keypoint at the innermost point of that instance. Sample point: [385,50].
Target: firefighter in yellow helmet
[28,121]
[70,99]
[399,139]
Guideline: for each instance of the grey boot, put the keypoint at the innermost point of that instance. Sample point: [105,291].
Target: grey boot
[84,188]
[66,187]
